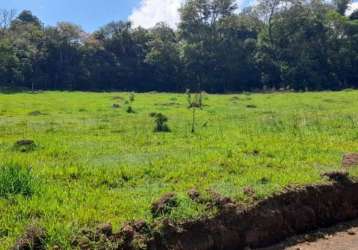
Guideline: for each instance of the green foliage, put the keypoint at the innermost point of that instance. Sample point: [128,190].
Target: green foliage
[15,180]
[160,122]
[130,101]
[194,102]
[131,97]
[276,44]
[130,110]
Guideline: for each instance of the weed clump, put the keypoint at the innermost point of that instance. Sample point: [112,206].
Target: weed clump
[116,106]
[36,113]
[24,146]
[15,180]
[130,101]
[194,102]
[130,110]
[160,122]
[164,205]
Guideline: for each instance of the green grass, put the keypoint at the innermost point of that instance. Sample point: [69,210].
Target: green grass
[94,163]
[15,180]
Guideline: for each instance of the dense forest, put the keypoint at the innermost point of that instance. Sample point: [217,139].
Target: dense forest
[275,44]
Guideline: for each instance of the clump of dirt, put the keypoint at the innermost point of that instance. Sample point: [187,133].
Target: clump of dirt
[134,235]
[338,176]
[194,195]
[105,229]
[219,200]
[164,205]
[249,191]
[24,146]
[251,106]
[167,104]
[117,98]
[36,113]
[350,160]
[33,239]
[213,200]
[234,98]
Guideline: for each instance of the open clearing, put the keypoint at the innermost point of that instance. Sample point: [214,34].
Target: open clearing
[92,162]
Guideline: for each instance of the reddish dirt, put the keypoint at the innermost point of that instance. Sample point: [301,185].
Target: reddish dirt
[350,160]
[341,237]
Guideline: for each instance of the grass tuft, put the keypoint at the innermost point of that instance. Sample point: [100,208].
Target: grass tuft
[15,180]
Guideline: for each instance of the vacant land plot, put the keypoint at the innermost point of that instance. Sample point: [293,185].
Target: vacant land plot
[73,160]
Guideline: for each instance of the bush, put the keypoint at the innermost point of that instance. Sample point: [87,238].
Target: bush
[15,179]
[160,122]
[130,110]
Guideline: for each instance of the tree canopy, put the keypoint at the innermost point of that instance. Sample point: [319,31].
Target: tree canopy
[275,44]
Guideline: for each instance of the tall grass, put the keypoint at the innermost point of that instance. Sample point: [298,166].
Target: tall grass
[15,180]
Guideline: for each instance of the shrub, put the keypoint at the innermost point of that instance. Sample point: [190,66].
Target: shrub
[130,110]
[160,122]
[15,179]
[194,102]
[131,99]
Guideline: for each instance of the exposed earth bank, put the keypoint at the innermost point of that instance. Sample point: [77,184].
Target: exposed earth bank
[270,221]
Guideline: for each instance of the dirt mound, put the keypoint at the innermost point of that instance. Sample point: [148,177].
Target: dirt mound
[163,206]
[117,98]
[33,239]
[350,160]
[267,222]
[36,113]
[24,146]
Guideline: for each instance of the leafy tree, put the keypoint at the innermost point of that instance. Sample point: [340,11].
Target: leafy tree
[26,17]
[300,44]
[354,15]
[163,56]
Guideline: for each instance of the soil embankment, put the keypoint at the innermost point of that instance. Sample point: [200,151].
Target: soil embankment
[263,224]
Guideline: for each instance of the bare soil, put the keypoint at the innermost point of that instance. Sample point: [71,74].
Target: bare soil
[341,237]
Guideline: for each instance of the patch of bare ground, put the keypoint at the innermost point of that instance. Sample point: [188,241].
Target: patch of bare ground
[343,236]
[292,212]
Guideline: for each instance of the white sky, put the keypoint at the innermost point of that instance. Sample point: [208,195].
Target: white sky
[150,12]
[353,7]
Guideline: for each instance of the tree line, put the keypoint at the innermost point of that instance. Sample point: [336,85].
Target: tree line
[275,44]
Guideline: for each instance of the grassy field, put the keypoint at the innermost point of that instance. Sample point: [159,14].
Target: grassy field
[94,163]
